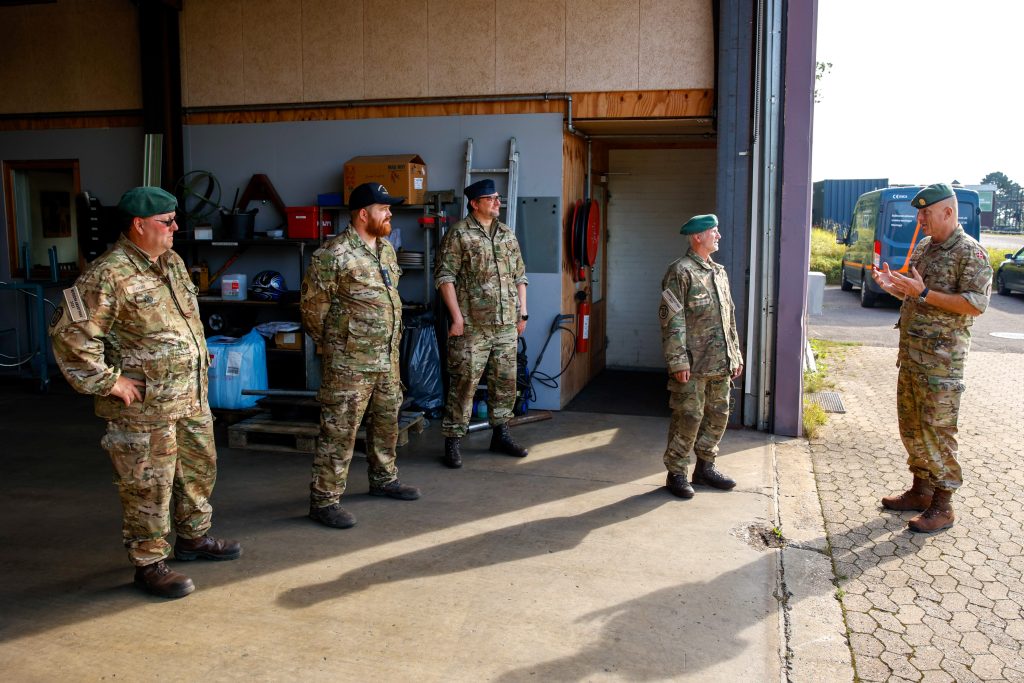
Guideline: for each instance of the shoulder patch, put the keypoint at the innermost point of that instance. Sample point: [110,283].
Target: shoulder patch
[671,301]
[76,307]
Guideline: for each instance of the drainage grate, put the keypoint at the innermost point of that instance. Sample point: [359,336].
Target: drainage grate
[830,401]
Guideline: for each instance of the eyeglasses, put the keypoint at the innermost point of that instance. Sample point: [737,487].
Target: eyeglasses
[491,198]
[168,223]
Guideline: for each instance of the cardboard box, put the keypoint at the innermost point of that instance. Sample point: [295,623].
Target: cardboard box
[404,175]
[288,340]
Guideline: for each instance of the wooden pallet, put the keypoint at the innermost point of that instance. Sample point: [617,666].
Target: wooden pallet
[264,433]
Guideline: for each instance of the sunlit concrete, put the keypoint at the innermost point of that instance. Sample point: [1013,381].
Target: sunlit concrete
[571,564]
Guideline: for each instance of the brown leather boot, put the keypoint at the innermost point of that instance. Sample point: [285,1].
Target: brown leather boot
[918,497]
[678,486]
[162,581]
[207,548]
[938,516]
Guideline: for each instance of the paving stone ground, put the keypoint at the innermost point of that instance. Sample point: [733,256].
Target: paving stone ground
[940,607]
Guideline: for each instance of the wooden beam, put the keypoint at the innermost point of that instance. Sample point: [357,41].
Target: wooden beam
[643,104]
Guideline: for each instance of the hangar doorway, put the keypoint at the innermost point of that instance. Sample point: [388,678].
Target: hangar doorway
[652,192]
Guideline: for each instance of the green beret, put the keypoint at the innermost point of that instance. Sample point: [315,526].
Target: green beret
[931,194]
[699,224]
[147,201]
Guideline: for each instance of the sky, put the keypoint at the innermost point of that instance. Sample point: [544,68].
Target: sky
[920,91]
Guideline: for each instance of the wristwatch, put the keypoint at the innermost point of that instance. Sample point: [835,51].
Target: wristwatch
[524,316]
[923,295]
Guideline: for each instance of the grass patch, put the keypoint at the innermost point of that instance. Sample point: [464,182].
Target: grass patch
[826,355]
[826,255]
[814,419]
[997,255]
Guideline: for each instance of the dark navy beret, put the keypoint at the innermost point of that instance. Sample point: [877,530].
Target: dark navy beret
[480,188]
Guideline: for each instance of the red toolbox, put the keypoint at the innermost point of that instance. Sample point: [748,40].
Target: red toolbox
[303,222]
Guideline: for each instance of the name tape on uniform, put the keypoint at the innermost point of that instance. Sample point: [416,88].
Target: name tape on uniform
[671,301]
[76,307]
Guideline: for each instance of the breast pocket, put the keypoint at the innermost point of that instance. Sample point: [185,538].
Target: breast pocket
[698,300]
[147,307]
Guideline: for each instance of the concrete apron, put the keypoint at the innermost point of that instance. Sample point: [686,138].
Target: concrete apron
[571,564]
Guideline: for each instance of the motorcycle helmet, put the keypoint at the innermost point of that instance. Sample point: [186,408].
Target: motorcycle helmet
[268,285]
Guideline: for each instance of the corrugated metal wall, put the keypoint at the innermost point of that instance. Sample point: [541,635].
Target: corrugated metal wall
[834,200]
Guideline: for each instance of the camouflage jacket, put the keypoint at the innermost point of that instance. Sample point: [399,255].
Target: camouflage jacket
[484,270]
[351,307]
[698,319]
[933,341]
[140,318]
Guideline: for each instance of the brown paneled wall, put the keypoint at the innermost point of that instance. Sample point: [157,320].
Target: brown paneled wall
[83,55]
[71,56]
[282,51]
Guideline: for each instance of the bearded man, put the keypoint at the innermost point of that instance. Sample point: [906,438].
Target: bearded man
[351,309]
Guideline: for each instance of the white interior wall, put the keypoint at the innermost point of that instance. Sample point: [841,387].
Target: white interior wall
[653,192]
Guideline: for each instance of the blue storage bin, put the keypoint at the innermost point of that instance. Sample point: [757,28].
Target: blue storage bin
[236,363]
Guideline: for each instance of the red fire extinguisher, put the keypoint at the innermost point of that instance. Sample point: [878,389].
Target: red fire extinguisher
[582,322]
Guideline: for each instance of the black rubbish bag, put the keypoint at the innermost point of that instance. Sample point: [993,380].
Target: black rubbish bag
[421,366]
[524,391]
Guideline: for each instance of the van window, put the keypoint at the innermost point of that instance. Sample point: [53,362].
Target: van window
[901,220]
[968,217]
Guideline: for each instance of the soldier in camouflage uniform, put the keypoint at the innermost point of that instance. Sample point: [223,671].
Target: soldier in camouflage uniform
[702,351]
[948,283]
[482,280]
[129,333]
[351,309]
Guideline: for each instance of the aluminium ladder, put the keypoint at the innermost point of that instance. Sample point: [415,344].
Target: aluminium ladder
[512,170]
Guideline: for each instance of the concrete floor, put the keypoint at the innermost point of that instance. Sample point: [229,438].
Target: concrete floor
[572,564]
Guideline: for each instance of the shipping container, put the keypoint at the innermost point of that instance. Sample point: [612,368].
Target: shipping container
[834,200]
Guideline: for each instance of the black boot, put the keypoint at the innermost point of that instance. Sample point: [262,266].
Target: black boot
[333,516]
[397,490]
[706,473]
[452,454]
[501,442]
[678,486]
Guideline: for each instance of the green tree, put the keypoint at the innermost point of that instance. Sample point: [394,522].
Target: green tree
[821,68]
[1008,201]
[1004,186]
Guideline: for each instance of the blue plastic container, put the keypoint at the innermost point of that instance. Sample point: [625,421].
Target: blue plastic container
[236,363]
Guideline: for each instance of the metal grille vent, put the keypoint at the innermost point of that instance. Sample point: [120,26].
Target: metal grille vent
[830,401]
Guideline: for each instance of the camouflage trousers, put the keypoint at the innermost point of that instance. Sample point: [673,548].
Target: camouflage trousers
[153,464]
[700,414]
[483,349]
[928,409]
[379,396]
